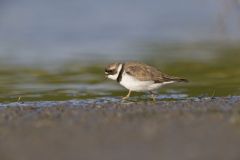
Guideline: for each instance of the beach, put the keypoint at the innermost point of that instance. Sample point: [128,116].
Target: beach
[193,128]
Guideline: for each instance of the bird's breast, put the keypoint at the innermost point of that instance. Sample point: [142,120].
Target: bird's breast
[134,84]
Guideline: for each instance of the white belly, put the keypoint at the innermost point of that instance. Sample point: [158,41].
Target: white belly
[134,84]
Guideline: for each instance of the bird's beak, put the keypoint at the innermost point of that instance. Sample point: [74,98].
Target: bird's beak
[106,76]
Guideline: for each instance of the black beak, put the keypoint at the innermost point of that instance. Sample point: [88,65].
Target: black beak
[106,75]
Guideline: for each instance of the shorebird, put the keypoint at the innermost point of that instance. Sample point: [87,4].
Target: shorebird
[139,77]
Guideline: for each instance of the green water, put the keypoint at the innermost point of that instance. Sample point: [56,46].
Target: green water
[213,70]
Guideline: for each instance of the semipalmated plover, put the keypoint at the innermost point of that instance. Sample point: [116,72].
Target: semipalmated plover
[139,77]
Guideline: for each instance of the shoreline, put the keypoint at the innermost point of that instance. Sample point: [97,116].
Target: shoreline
[226,102]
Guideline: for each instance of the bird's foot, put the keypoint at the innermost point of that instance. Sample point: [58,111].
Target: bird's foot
[124,98]
[153,98]
[127,96]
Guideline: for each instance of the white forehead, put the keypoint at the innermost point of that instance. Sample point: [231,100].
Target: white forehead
[113,66]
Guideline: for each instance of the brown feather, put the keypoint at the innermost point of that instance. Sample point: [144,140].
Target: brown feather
[145,72]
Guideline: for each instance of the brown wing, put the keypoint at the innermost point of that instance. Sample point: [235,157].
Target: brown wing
[145,72]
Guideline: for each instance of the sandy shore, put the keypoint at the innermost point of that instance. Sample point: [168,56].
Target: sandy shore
[199,128]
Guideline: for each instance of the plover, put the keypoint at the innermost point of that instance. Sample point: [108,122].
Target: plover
[139,77]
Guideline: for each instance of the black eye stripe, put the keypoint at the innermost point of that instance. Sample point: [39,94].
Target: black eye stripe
[110,71]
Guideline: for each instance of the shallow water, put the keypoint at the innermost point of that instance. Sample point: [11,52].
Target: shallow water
[57,51]
[216,74]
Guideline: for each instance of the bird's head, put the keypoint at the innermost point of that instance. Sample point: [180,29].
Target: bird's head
[112,70]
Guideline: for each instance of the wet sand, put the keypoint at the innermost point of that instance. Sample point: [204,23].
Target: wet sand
[198,128]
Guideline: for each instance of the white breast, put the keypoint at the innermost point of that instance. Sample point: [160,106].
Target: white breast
[134,84]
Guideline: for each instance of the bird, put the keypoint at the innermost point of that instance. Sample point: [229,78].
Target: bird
[139,77]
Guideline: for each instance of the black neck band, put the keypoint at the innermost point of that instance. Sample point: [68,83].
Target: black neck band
[119,78]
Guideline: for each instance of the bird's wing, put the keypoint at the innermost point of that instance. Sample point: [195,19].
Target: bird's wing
[145,72]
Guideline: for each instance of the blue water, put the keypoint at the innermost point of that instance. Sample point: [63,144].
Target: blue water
[42,30]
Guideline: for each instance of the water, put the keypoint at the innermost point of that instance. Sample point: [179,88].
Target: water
[217,76]
[57,50]
[40,31]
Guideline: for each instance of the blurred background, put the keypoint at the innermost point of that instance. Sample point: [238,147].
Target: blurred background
[56,50]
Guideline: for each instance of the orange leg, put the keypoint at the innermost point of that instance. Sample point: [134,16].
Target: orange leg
[128,95]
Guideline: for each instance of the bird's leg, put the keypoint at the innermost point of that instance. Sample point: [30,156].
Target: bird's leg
[153,96]
[127,96]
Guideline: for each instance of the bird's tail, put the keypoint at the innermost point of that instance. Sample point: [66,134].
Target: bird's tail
[175,79]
